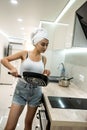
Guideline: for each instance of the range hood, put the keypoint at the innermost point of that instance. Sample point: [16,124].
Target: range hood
[82,16]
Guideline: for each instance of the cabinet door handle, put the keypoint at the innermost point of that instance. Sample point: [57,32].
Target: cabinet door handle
[37,116]
[37,128]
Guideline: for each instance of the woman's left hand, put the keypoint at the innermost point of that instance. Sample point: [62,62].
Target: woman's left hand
[46,72]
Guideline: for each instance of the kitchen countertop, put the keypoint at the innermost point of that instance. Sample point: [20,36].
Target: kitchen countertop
[65,117]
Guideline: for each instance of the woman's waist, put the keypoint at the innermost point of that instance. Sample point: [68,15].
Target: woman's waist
[24,83]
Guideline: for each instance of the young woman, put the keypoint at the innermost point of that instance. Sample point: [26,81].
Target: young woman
[31,61]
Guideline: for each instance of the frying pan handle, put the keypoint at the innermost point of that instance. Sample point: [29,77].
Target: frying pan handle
[19,76]
[70,78]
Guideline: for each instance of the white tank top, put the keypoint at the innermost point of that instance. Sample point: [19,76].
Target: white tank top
[32,66]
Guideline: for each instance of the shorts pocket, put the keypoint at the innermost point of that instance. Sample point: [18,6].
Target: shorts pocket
[21,84]
[21,88]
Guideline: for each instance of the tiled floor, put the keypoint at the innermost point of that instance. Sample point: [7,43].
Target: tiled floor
[6,92]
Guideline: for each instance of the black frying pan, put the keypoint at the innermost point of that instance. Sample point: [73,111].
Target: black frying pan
[34,78]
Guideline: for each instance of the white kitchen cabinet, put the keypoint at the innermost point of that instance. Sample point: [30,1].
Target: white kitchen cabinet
[50,29]
[60,37]
[57,34]
[67,128]
[4,77]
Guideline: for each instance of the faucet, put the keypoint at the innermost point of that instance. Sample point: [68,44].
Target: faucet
[62,70]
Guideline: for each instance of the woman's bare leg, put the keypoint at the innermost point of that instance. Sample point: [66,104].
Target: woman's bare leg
[29,117]
[14,115]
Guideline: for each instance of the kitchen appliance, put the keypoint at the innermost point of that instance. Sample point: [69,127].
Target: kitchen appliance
[64,82]
[43,120]
[42,116]
[34,78]
[82,16]
[68,102]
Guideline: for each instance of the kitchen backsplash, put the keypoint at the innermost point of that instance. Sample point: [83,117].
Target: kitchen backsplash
[54,58]
[75,61]
[76,65]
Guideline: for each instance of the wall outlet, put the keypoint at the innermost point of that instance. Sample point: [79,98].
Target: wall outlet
[81,77]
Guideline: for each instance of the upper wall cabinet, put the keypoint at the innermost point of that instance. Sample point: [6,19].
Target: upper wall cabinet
[50,30]
[57,35]
[60,37]
[80,27]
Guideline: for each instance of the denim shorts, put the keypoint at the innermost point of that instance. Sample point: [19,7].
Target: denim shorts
[26,93]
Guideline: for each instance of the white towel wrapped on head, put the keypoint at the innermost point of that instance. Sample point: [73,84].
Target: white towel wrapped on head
[38,35]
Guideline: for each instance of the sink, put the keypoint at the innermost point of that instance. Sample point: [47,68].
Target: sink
[68,102]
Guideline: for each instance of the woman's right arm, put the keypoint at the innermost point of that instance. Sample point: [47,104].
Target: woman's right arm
[6,61]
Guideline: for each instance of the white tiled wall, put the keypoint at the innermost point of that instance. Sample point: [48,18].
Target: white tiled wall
[54,58]
[75,61]
[76,64]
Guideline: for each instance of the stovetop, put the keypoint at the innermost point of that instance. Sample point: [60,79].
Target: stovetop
[68,102]
[54,79]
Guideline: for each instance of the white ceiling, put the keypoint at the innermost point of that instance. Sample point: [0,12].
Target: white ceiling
[31,11]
